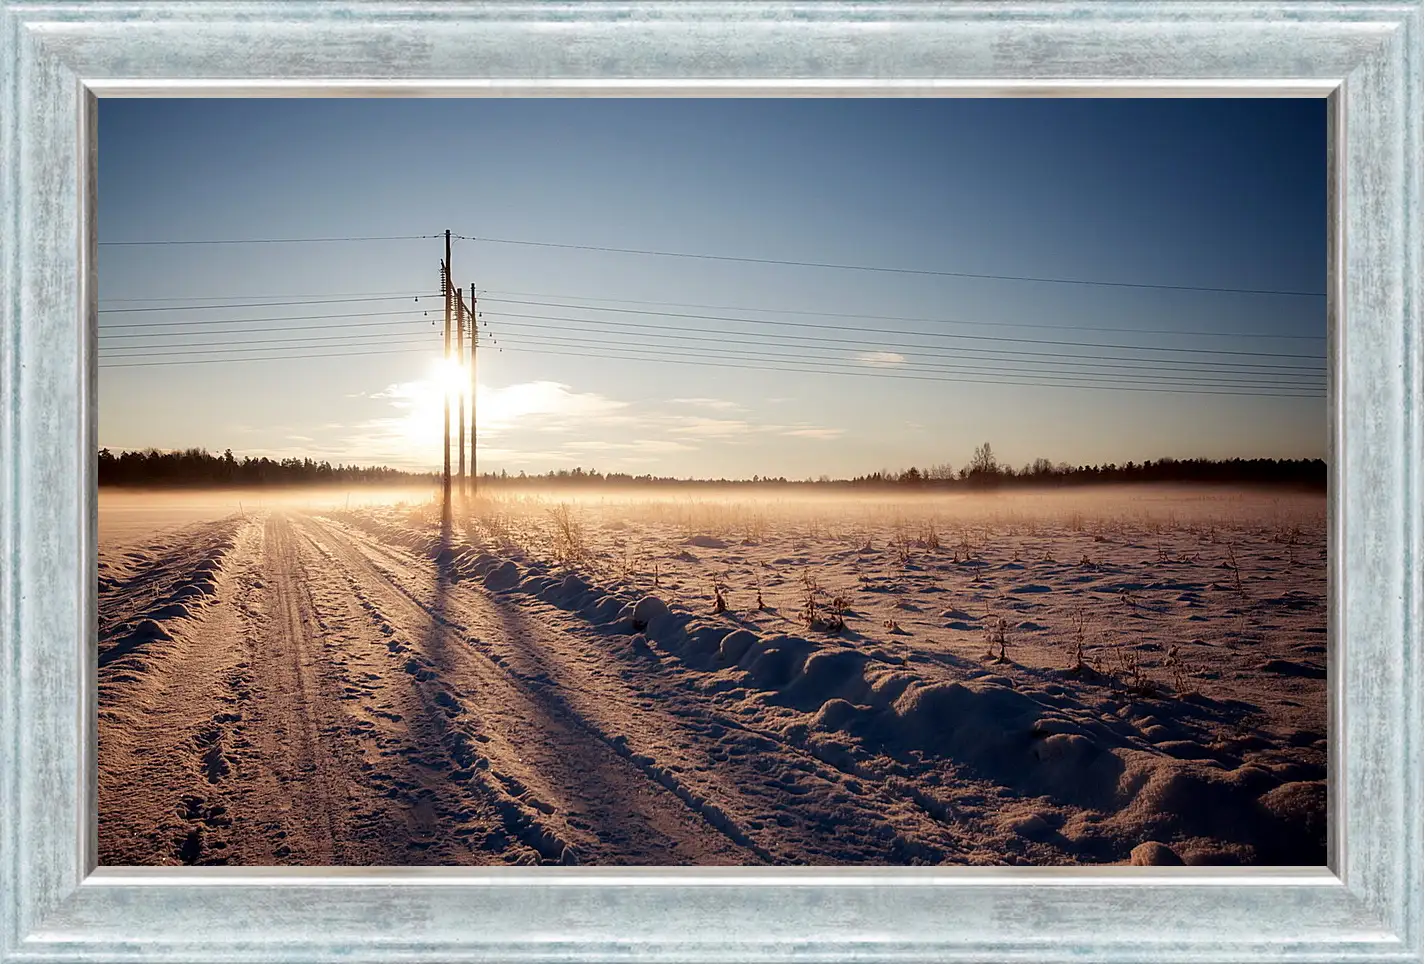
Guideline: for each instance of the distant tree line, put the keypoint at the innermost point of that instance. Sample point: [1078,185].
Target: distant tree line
[984,471]
[198,467]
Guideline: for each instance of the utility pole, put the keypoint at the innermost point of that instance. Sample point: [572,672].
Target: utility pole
[475,344]
[445,477]
[460,358]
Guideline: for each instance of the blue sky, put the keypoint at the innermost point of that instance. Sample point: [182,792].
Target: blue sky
[891,368]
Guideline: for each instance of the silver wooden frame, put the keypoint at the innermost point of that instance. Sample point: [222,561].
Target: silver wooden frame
[1365,57]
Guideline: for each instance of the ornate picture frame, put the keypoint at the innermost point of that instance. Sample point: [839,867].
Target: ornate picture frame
[59,57]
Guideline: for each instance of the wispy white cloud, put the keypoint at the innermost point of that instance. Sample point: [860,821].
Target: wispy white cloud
[705,427]
[650,445]
[411,434]
[540,400]
[721,404]
[881,359]
[817,433]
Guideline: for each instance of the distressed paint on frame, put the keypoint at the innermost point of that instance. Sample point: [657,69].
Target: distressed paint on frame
[57,56]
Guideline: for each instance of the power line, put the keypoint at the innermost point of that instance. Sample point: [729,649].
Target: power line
[1146,365]
[890,270]
[321,294]
[146,351]
[1182,378]
[236,321]
[664,356]
[254,304]
[188,241]
[870,317]
[773,339]
[573,302]
[1185,378]
[648,252]
[712,364]
[245,331]
[670,333]
[935,334]
[272,358]
[108,329]
[757,339]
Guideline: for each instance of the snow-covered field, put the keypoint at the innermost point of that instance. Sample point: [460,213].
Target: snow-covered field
[700,678]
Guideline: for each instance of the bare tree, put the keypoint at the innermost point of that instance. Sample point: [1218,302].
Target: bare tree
[984,462]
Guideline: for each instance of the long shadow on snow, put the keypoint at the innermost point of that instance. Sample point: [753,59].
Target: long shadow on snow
[542,686]
[410,792]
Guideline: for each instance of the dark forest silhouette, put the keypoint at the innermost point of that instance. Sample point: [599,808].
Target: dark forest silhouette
[198,468]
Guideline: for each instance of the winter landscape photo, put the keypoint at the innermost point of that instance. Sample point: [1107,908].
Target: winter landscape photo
[712,482]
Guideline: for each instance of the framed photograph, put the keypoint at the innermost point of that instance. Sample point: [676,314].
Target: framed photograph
[728,481]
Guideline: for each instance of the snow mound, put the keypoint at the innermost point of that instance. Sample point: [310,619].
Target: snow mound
[772,661]
[504,576]
[572,590]
[1151,853]
[1301,804]
[735,645]
[829,675]
[650,615]
[836,714]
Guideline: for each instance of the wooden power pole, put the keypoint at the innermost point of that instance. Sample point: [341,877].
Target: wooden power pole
[474,344]
[460,358]
[445,388]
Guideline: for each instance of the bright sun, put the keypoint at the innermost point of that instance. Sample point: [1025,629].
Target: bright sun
[451,378]
[424,404]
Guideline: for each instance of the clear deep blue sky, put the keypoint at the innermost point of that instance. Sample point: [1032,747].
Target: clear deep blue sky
[1195,193]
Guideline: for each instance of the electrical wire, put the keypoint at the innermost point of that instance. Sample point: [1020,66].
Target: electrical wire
[320,294]
[579,303]
[649,252]
[1138,370]
[761,341]
[191,241]
[485,299]
[140,351]
[236,321]
[1203,379]
[937,334]
[890,270]
[273,358]
[245,331]
[262,304]
[665,357]
[924,350]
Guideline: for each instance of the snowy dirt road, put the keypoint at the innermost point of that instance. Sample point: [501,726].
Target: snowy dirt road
[308,689]
[322,702]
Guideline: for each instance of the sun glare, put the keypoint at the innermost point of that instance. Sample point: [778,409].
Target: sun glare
[423,419]
[450,377]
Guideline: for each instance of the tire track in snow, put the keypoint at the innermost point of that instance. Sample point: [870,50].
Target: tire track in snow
[460,785]
[294,712]
[409,767]
[610,807]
